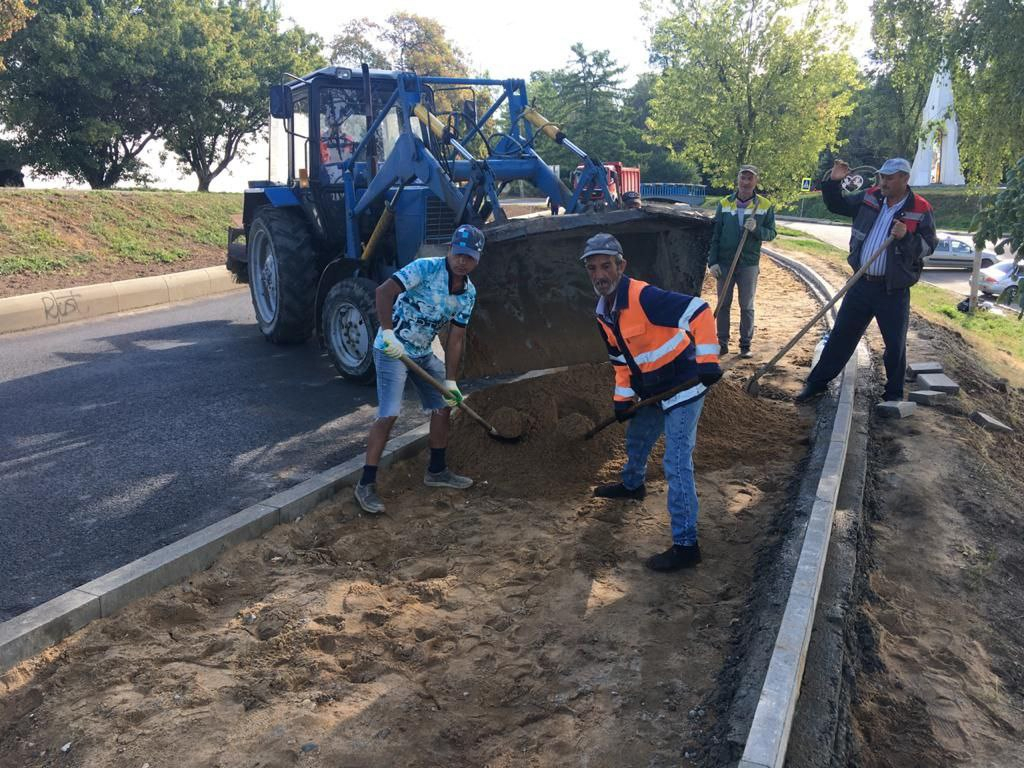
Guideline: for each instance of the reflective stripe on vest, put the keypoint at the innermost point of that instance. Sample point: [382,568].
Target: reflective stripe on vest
[651,346]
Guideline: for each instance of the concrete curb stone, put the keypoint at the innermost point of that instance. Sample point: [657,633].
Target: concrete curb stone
[989,423]
[926,397]
[50,308]
[938,382]
[895,409]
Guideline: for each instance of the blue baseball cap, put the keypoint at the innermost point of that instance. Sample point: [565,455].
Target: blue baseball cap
[894,165]
[468,240]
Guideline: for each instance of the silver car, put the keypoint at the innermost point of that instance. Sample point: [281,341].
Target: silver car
[1002,276]
[951,252]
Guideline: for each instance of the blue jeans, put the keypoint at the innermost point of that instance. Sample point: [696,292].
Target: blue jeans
[680,428]
[391,376]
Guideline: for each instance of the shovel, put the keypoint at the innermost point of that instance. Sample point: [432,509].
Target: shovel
[491,431]
[753,387]
[641,404]
[727,285]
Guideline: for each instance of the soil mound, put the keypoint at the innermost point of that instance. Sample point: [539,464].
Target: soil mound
[552,413]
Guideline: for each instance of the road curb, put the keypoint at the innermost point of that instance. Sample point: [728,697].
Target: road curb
[768,737]
[37,629]
[68,305]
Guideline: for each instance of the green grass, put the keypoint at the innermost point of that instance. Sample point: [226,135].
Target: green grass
[48,231]
[1003,332]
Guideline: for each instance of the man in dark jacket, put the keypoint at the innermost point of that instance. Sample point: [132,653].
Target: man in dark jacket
[883,292]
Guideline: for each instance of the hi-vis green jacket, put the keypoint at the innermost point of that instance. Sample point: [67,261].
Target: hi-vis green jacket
[726,236]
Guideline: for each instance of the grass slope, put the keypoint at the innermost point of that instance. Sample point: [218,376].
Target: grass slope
[65,231]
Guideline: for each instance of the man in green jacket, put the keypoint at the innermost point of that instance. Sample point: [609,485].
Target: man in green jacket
[742,210]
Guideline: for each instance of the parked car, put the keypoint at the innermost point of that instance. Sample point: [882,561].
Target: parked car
[1002,276]
[951,252]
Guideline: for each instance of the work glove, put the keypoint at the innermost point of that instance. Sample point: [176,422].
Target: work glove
[623,412]
[391,346]
[454,396]
[707,379]
[750,224]
[716,271]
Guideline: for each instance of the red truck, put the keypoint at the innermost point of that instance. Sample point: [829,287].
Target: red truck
[621,179]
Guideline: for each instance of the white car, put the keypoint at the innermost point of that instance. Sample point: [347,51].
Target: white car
[951,252]
[1001,276]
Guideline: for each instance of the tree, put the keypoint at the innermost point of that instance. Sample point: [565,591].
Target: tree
[410,42]
[13,15]
[82,84]
[911,44]
[743,82]
[657,163]
[988,80]
[224,62]
[1002,220]
[585,99]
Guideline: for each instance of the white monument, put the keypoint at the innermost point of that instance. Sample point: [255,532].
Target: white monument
[938,160]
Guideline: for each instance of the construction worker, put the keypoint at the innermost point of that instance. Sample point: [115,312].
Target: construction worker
[631,200]
[658,342]
[743,210]
[883,292]
[412,306]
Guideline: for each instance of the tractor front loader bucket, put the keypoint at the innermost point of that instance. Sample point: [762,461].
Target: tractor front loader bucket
[535,303]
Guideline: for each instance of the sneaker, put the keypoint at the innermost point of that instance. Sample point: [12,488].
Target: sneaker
[366,496]
[746,353]
[811,391]
[675,558]
[446,479]
[723,348]
[620,491]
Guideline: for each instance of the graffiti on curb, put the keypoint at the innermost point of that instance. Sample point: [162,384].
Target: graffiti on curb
[58,308]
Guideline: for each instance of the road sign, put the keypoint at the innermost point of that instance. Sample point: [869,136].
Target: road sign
[805,185]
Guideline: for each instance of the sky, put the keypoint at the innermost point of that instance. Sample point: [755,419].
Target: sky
[508,40]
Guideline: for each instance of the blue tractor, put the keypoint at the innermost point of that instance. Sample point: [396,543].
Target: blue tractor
[382,167]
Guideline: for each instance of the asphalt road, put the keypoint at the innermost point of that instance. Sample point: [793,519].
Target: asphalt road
[956,280]
[123,434]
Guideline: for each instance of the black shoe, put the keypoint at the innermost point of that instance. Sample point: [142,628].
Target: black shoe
[723,348]
[746,353]
[889,397]
[675,558]
[619,491]
[811,391]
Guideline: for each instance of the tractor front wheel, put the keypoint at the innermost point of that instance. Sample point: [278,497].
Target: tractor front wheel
[282,276]
[350,325]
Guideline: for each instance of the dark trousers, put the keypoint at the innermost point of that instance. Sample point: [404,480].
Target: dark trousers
[868,300]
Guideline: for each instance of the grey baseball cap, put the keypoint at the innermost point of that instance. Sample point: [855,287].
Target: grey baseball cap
[750,169]
[602,244]
[894,165]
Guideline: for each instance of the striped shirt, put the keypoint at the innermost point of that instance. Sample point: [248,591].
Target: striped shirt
[881,229]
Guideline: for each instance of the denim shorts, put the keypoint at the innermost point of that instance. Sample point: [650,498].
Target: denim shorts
[391,376]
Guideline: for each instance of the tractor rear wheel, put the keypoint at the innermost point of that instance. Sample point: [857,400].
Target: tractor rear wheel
[282,276]
[349,326]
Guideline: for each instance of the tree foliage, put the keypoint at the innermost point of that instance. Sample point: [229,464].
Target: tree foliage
[585,99]
[988,81]
[80,82]
[405,41]
[910,45]
[1002,221]
[746,81]
[225,63]
[13,15]
[91,83]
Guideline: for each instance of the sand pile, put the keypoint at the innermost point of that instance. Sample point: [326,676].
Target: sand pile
[552,413]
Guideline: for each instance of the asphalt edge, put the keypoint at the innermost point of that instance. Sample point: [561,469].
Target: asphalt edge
[69,305]
[37,629]
[768,737]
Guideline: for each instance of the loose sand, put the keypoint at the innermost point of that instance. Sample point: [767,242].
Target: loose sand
[510,625]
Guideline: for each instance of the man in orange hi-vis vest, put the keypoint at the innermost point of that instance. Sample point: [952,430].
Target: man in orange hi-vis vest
[659,342]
